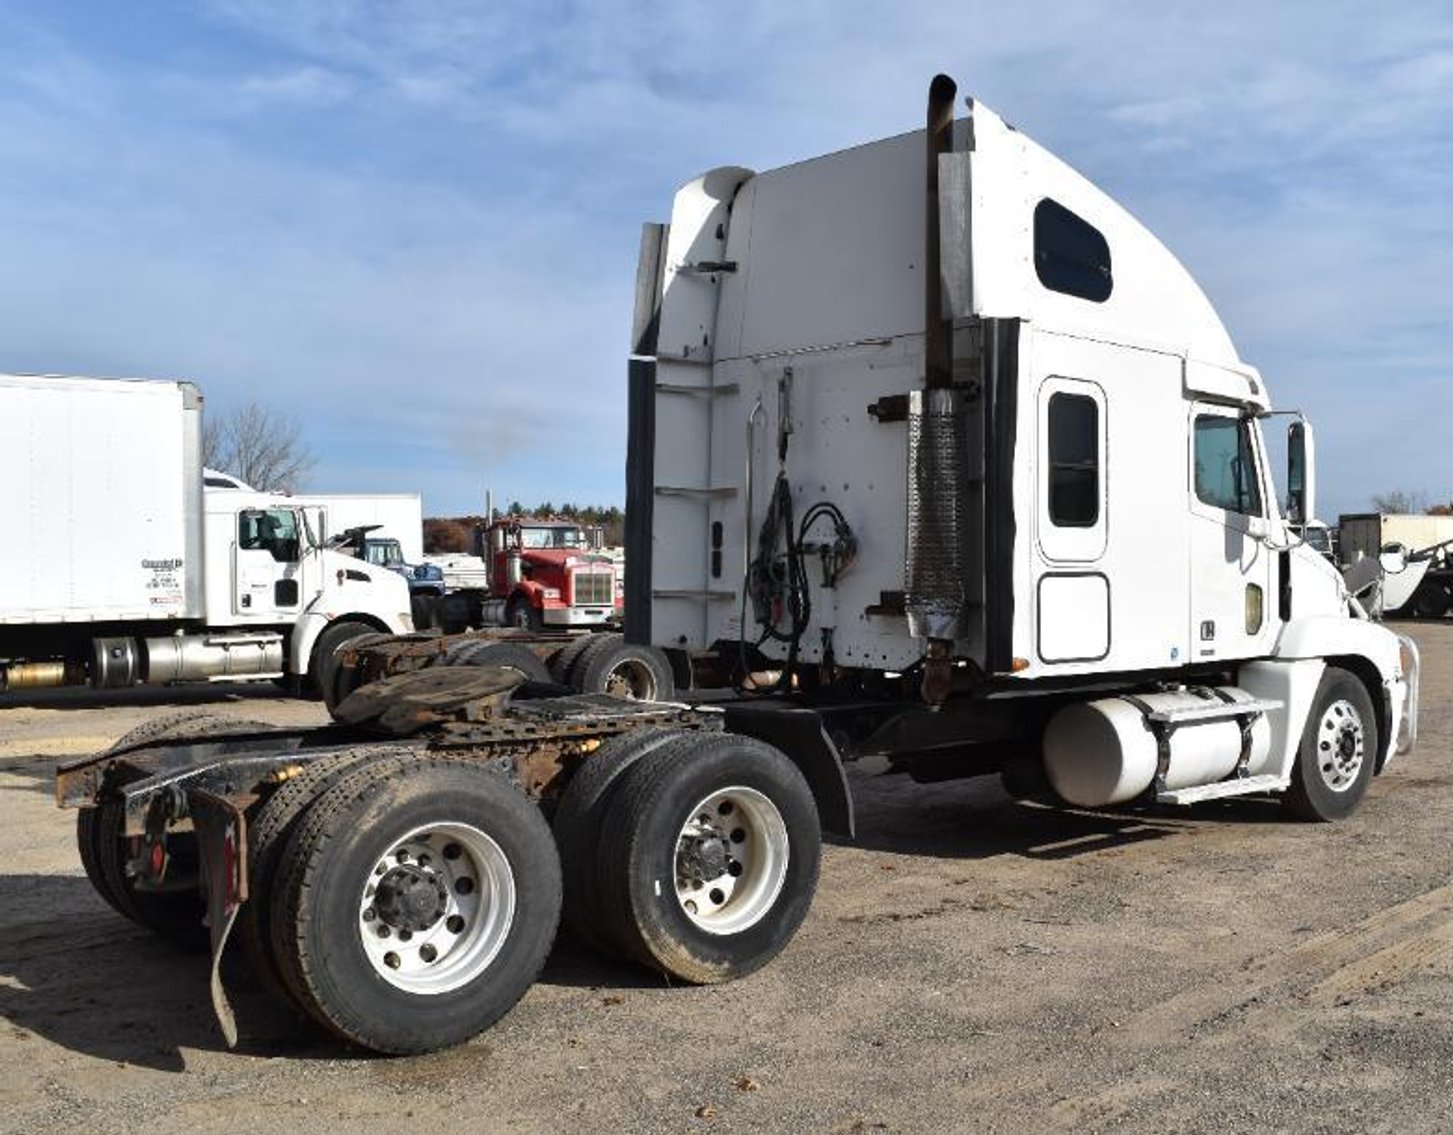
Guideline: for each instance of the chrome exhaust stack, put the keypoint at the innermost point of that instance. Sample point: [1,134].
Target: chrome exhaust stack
[938,491]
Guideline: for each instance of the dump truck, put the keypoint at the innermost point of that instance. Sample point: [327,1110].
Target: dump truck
[936,455]
[125,562]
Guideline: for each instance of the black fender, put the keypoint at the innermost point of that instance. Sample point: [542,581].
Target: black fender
[800,735]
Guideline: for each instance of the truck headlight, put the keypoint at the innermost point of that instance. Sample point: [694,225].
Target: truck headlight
[550,593]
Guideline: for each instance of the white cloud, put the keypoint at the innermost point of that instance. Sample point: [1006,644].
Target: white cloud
[309,86]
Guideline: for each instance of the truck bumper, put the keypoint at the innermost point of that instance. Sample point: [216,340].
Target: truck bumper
[577,616]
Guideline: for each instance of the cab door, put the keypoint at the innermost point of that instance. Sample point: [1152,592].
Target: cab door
[1233,572]
[266,564]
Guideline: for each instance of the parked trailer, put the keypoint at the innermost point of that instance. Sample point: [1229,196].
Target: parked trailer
[122,566]
[896,426]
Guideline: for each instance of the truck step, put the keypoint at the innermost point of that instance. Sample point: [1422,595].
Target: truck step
[1213,711]
[1244,786]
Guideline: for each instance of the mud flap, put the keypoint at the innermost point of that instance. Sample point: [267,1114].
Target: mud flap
[222,843]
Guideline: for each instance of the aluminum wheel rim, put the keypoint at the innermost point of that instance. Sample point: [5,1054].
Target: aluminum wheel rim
[631,679]
[1341,745]
[731,860]
[436,908]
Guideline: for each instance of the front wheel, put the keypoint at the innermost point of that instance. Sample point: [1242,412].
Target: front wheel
[523,617]
[1338,750]
[323,671]
[412,911]
[709,859]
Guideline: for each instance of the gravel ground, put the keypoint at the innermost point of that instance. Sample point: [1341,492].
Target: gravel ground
[970,964]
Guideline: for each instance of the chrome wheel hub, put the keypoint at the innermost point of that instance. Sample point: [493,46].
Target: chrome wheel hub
[731,860]
[1341,745]
[436,908]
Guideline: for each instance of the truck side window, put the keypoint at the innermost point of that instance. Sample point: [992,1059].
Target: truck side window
[274,531]
[1226,465]
[1074,461]
[1070,254]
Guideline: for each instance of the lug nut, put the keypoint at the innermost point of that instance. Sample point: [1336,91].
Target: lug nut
[427,952]
[391,960]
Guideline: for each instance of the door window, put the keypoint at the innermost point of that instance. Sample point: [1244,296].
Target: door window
[1226,465]
[273,530]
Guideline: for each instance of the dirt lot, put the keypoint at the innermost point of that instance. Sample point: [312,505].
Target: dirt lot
[971,964]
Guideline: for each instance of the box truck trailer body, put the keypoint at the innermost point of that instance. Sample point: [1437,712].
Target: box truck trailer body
[398,516]
[106,483]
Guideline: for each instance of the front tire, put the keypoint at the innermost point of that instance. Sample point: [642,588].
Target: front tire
[413,911]
[1338,751]
[709,859]
[323,670]
[522,616]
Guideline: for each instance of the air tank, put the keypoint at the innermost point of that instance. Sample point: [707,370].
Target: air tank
[1104,752]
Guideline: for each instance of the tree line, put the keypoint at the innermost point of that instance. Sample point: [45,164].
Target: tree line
[443,534]
[1403,502]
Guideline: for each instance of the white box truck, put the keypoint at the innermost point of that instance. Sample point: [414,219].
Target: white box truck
[391,516]
[935,454]
[120,566]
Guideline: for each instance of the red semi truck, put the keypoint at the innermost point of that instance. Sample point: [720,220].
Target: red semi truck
[537,575]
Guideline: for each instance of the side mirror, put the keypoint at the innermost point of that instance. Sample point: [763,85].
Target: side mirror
[1301,473]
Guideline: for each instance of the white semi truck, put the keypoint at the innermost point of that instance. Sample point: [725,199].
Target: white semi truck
[121,566]
[935,453]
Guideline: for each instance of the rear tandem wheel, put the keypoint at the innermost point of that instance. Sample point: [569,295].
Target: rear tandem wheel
[175,915]
[411,911]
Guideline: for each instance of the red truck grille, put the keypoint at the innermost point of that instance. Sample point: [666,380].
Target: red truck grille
[593,589]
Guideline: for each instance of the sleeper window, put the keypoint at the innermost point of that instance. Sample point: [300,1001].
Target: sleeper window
[1074,461]
[1070,255]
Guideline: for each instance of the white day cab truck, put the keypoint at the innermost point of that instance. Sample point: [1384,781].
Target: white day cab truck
[935,455]
[122,567]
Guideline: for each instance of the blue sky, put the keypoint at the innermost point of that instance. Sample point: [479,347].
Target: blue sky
[414,225]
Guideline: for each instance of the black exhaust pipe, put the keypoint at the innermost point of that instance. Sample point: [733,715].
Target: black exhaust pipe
[938,343]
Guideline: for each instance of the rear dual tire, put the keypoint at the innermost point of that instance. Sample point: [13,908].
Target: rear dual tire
[412,910]
[173,915]
[696,855]
[607,664]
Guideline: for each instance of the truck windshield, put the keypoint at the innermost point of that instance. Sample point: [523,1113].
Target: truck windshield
[552,538]
[384,552]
